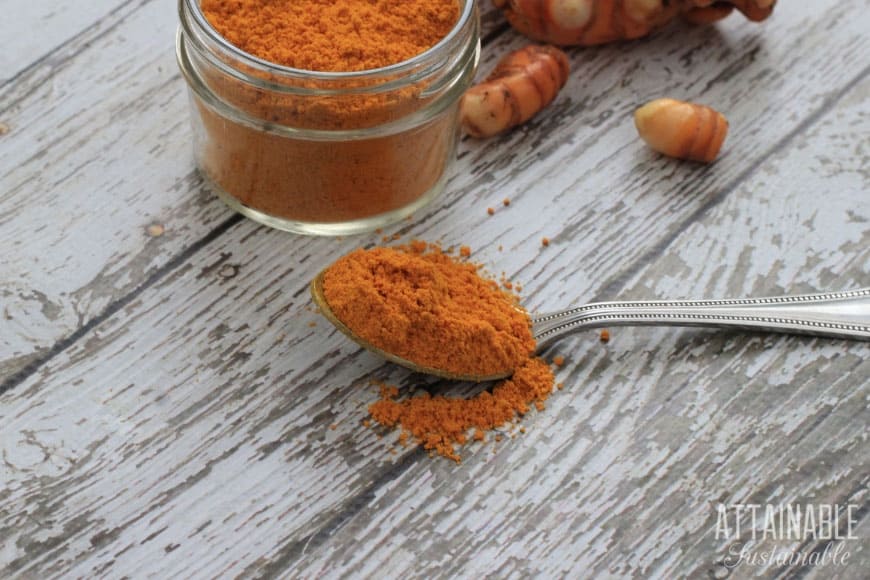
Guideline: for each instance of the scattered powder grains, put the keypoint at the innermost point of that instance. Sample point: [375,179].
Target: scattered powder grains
[559,360]
[441,423]
[490,211]
[464,251]
[506,201]
[419,303]
[605,335]
[545,242]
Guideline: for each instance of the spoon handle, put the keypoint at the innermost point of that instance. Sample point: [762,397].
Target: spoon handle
[836,314]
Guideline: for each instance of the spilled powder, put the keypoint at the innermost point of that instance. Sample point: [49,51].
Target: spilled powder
[440,424]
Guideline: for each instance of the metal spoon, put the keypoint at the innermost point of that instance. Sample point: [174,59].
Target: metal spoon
[843,315]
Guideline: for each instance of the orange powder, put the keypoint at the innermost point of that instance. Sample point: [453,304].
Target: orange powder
[270,140]
[422,304]
[332,35]
[440,423]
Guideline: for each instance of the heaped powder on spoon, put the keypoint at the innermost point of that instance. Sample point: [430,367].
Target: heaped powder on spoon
[430,308]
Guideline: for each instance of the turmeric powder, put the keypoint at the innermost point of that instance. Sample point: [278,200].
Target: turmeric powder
[287,142]
[435,310]
[332,35]
[420,304]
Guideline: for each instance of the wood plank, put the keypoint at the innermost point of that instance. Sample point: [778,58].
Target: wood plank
[40,29]
[110,122]
[190,389]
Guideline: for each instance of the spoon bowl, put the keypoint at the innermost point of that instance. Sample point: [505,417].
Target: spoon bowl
[322,304]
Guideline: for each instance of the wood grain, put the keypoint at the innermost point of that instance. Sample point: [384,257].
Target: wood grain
[81,269]
[179,421]
[56,23]
[621,474]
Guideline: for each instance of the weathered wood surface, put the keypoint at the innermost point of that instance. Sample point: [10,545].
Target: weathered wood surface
[36,31]
[166,408]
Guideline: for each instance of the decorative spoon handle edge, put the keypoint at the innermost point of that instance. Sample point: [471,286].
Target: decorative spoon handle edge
[843,315]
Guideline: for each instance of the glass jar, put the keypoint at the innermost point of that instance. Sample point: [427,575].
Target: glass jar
[327,153]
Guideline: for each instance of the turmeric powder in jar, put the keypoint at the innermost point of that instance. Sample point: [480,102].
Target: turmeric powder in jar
[327,117]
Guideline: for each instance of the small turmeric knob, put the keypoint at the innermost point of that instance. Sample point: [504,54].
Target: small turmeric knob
[522,83]
[683,130]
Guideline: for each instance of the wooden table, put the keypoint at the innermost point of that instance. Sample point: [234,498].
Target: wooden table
[171,405]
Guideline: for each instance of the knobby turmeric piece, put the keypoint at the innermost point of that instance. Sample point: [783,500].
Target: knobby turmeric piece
[708,14]
[589,22]
[522,83]
[682,130]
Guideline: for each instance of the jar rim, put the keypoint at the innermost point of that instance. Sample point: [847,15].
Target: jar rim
[194,9]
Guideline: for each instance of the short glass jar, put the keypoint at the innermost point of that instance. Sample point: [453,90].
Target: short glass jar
[327,153]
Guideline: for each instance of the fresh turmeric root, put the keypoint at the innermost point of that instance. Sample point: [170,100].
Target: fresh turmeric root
[522,83]
[708,14]
[683,130]
[589,22]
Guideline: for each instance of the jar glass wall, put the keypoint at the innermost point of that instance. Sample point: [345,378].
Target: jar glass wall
[325,153]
